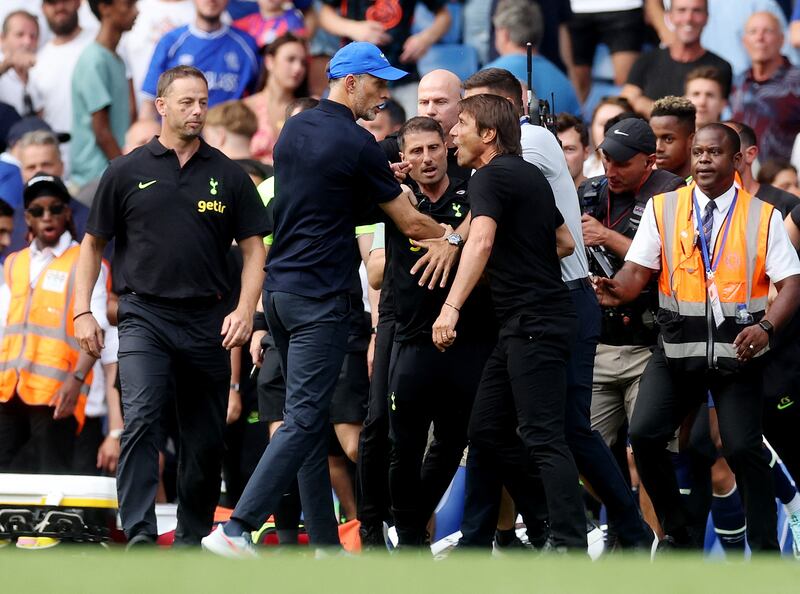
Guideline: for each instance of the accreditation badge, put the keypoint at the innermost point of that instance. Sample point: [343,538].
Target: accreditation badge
[713,299]
[55,281]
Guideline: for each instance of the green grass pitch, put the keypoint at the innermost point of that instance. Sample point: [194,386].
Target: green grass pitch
[90,569]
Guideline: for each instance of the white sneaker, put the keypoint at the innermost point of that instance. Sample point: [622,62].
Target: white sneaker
[233,547]
[794,526]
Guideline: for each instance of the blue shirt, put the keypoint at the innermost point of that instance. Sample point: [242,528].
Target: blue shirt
[11,186]
[228,58]
[547,79]
[328,172]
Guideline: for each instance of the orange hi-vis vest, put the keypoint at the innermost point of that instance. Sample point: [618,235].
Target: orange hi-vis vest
[688,333]
[39,350]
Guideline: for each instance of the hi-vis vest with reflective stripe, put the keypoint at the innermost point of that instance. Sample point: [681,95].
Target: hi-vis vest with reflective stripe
[39,350]
[689,336]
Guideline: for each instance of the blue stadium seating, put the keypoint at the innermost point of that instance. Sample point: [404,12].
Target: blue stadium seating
[458,58]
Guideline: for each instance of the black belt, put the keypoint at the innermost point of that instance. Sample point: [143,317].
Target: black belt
[579,283]
[182,302]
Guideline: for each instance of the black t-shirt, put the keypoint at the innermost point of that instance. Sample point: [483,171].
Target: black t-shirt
[174,225]
[524,269]
[416,308]
[658,75]
[395,16]
[783,201]
[327,170]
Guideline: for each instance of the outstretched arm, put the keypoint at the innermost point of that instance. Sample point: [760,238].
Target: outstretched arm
[625,286]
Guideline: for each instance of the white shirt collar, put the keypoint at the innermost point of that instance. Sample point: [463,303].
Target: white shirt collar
[223,30]
[64,243]
[723,202]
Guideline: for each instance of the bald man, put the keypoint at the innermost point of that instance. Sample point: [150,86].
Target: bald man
[767,96]
[438,95]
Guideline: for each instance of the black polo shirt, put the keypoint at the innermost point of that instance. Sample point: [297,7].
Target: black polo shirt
[174,225]
[328,170]
[416,308]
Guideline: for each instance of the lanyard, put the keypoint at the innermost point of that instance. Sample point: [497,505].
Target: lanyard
[711,267]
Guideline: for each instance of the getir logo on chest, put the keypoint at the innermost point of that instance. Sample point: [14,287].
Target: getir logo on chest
[211,205]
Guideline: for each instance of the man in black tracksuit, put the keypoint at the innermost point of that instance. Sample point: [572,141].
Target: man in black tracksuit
[426,385]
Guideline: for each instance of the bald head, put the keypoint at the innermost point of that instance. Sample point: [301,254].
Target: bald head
[140,133]
[438,96]
[763,37]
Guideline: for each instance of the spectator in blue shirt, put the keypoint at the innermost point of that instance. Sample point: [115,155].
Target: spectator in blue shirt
[517,23]
[227,57]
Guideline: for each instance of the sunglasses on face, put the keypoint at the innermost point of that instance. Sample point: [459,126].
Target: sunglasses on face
[38,211]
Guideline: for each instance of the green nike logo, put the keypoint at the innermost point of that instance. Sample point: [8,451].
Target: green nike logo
[785,402]
[143,185]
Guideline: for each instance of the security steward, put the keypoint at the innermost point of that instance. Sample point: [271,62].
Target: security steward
[718,248]
[612,210]
[44,377]
[174,206]
[426,386]
[328,170]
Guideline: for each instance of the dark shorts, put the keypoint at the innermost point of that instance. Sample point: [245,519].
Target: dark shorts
[621,31]
[349,404]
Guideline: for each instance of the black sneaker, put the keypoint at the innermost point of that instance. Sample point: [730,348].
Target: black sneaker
[372,538]
[140,541]
[665,546]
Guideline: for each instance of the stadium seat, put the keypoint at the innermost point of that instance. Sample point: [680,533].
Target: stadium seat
[599,90]
[602,67]
[424,17]
[457,58]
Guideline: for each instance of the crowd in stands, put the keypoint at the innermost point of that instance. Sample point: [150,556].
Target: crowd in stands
[78,84]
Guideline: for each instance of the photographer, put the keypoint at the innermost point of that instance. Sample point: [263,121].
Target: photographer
[612,209]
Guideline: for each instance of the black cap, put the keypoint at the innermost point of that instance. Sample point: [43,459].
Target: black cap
[43,184]
[628,137]
[31,124]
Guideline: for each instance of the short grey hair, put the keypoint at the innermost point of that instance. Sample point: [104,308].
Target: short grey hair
[38,138]
[522,19]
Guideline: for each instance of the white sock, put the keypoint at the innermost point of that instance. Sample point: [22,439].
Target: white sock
[793,506]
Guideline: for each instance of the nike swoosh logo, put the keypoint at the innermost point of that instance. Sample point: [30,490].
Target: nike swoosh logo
[142,185]
[784,405]
[621,133]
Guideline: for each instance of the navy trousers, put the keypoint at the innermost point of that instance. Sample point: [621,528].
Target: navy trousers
[311,336]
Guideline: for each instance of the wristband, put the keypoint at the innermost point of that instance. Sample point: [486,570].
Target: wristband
[453,306]
[83,313]
[260,322]
[115,433]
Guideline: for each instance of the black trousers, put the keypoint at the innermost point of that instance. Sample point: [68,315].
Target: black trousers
[666,398]
[427,386]
[166,350]
[522,395]
[31,441]
[593,457]
[86,446]
[372,472]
